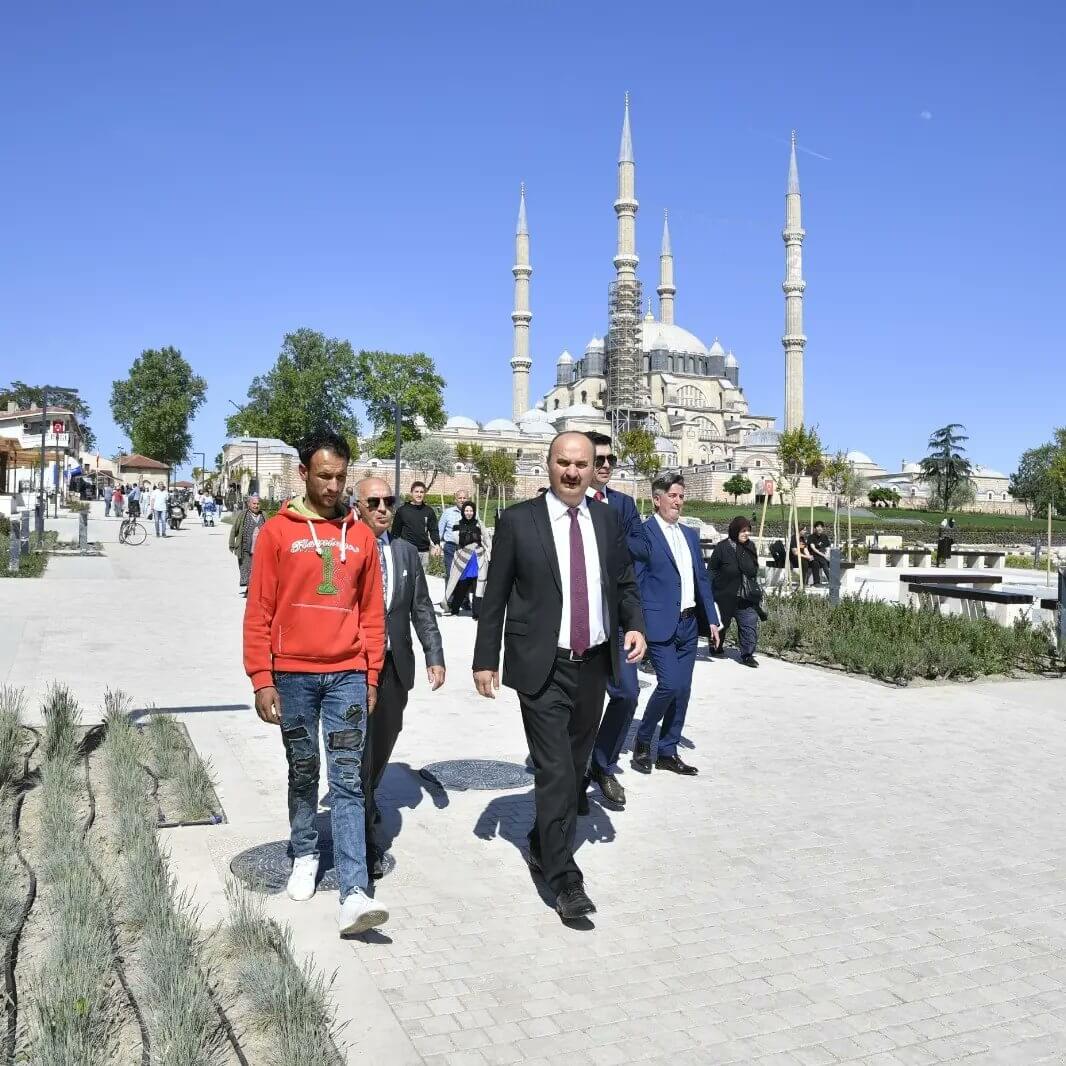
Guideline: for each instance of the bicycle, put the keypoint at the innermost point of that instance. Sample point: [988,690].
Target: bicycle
[131,531]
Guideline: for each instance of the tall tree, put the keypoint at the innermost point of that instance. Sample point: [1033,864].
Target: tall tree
[946,467]
[637,447]
[383,379]
[32,395]
[798,451]
[737,485]
[312,385]
[156,402]
[430,456]
[1041,476]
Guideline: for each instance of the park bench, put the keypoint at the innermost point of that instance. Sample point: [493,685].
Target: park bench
[882,557]
[977,559]
[938,577]
[1002,606]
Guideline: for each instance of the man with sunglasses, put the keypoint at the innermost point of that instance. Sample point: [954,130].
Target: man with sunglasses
[407,603]
[623,695]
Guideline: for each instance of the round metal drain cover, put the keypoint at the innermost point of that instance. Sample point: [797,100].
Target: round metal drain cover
[266,867]
[461,774]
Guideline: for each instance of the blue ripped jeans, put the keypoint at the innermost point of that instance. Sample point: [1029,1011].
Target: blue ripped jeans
[338,702]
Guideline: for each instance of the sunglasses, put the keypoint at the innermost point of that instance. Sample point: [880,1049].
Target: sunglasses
[374,502]
[605,460]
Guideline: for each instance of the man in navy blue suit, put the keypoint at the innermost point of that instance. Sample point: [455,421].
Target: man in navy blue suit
[622,704]
[678,602]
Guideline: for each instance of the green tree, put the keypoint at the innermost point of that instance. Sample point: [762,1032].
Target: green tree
[834,474]
[881,494]
[497,471]
[946,467]
[430,456]
[637,447]
[155,403]
[798,451]
[383,379]
[27,396]
[1041,477]
[312,385]
[737,485]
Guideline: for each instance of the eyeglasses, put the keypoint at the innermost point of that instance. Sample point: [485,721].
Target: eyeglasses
[374,502]
[605,460]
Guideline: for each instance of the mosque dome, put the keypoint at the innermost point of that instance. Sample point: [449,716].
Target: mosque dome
[660,335]
[761,438]
[730,358]
[594,345]
[665,444]
[580,410]
[461,422]
[716,348]
[538,429]
[502,425]
[860,457]
[534,414]
[566,357]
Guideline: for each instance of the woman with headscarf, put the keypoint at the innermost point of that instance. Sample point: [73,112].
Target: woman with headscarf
[466,564]
[734,559]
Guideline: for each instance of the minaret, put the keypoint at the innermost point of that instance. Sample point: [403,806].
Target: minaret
[521,315]
[625,207]
[793,340]
[666,288]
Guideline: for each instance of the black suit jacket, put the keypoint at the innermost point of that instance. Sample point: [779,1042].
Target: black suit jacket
[410,605]
[524,582]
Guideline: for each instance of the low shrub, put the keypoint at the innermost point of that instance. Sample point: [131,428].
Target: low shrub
[61,720]
[12,705]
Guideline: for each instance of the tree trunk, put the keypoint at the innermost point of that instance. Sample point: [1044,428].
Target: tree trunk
[849,531]
[799,557]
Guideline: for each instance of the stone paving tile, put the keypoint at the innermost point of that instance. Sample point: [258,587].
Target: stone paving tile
[858,874]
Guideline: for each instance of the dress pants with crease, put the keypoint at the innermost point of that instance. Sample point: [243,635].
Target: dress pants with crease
[618,717]
[561,722]
[673,661]
[383,727]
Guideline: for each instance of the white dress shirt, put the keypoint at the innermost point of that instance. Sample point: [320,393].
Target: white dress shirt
[558,515]
[683,557]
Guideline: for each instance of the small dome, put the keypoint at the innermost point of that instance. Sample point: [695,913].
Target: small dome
[665,444]
[461,422]
[649,317]
[761,438]
[730,358]
[860,457]
[658,335]
[985,471]
[566,357]
[534,414]
[716,348]
[580,410]
[594,345]
[501,425]
[538,429]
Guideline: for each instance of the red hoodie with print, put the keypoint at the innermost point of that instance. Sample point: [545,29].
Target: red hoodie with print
[315,600]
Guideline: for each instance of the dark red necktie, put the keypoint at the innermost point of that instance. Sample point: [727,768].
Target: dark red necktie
[599,495]
[579,589]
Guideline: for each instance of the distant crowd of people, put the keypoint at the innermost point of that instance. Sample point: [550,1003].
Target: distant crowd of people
[574,585]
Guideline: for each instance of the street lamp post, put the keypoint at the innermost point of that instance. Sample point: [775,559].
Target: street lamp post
[254,441]
[203,465]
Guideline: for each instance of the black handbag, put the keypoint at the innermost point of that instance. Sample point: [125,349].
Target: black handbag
[750,589]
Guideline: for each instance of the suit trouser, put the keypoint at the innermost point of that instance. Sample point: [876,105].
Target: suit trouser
[383,728]
[621,707]
[449,554]
[560,723]
[673,660]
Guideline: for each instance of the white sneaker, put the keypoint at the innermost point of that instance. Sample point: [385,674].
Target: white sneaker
[302,879]
[360,913]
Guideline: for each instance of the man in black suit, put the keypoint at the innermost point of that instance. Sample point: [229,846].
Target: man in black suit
[407,603]
[561,572]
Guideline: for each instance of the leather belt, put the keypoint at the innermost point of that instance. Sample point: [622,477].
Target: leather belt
[689,612]
[570,657]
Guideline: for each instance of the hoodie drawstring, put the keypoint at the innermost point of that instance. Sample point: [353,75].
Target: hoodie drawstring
[344,537]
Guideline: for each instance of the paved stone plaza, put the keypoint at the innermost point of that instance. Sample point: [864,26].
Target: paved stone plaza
[859,874]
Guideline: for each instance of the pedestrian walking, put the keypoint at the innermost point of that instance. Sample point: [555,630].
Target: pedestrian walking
[107,494]
[678,601]
[449,539]
[243,536]
[314,647]
[407,604]
[734,570]
[621,696]
[416,522]
[118,501]
[562,575]
[160,504]
[462,579]
[133,501]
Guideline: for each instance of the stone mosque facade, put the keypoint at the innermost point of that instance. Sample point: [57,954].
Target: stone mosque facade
[687,393]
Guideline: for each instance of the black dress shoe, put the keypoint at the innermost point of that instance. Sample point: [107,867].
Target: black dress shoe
[674,764]
[609,786]
[641,761]
[749,660]
[573,904]
[377,868]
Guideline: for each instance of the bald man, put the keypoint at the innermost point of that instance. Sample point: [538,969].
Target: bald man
[407,604]
[562,575]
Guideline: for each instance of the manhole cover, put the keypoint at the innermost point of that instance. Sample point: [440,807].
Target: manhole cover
[265,868]
[461,774]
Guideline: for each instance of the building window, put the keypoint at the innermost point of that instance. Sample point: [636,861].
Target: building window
[758,462]
[584,396]
[556,405]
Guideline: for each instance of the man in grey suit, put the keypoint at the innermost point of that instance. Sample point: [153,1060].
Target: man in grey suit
[407,603]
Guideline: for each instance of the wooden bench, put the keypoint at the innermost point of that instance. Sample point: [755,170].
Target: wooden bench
[1000,605]
[938,578]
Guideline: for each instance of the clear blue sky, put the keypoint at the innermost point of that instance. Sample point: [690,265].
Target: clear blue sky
[214,175]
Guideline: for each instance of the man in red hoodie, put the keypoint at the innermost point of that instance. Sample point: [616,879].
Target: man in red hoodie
[314,644]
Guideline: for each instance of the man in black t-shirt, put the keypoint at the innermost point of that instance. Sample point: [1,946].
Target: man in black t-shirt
[416,522]
[818,543]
